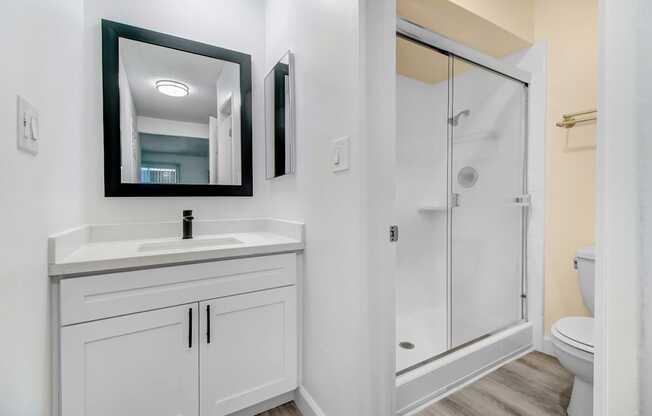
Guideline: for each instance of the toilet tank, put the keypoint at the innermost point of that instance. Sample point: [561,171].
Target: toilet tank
[585,266]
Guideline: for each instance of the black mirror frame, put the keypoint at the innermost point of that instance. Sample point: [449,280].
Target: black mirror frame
[113,186]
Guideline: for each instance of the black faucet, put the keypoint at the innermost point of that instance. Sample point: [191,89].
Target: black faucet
[187,223]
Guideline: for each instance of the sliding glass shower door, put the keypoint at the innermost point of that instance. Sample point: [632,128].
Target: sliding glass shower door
[487,215]
[460,186]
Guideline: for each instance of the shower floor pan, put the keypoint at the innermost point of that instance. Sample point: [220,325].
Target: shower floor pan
[425,332]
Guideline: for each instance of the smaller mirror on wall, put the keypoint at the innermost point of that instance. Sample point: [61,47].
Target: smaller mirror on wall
[279,118]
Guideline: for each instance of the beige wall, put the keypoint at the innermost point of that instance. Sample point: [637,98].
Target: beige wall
[469,25]
[570,28]
[515,16]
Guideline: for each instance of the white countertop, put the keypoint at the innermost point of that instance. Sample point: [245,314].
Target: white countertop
[92,249]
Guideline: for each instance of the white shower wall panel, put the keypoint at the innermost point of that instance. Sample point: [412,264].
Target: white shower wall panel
[421,182]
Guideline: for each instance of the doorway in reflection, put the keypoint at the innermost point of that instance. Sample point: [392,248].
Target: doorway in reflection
[174,159]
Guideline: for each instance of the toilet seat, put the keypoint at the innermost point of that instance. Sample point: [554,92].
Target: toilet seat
[575,331]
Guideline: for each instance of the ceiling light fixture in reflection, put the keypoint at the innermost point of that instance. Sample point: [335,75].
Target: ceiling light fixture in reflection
[172,88]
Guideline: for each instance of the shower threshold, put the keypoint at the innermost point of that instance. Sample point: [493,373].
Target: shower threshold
[424,384]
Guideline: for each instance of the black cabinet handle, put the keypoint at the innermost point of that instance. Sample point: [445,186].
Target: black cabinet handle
[208,324]
[190,328]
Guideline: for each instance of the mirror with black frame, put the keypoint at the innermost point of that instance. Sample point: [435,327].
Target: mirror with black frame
[279,118]
[177,116]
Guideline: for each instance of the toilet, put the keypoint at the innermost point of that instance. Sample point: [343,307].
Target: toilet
[572,339]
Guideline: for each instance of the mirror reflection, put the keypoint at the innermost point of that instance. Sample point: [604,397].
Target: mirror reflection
[279,118]
[179,117]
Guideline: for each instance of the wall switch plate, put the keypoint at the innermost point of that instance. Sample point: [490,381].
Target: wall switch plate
[27,126]
[340,155]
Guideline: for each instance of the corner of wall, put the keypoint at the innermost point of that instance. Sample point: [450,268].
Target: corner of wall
[306,403]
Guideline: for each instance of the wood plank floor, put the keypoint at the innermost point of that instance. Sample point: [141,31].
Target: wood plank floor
[288,409]
[534,385]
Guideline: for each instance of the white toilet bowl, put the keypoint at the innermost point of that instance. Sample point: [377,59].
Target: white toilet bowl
[572,339]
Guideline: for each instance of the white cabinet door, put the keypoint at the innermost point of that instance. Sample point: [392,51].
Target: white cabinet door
[250,353]
[144,364]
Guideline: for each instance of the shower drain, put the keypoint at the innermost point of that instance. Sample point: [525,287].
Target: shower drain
[406,345]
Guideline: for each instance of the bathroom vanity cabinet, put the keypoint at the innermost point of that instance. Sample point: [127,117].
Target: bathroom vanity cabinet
[207,338]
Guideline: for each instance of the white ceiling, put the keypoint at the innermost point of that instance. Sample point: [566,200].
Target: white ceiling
[145,64]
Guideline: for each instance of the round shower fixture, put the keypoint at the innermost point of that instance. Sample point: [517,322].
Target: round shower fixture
[467,177]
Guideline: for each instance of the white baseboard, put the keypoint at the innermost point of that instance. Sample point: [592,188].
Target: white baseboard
[266,405]
[301,397]
[547,346]
[306,404]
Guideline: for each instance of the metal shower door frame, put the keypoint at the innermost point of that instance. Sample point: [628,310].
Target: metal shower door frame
[425,37]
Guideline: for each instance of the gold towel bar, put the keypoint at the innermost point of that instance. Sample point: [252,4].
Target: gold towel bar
[570,120]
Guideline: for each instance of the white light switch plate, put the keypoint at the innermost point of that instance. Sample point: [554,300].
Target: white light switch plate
[27,126]
[340,155]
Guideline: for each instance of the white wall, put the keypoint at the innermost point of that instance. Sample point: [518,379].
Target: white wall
[622,364]
[377,123]
[643,103]
[238,25]
[39,195]
[341,348]
[323,37]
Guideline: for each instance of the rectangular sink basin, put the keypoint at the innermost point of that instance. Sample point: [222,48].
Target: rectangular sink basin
[188,244]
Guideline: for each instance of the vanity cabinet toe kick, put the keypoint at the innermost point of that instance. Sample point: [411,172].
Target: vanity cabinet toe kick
[198,339]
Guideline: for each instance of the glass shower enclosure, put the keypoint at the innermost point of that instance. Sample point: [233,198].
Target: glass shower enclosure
[461,202]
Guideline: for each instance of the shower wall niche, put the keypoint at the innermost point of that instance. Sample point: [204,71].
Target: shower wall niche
[461,196]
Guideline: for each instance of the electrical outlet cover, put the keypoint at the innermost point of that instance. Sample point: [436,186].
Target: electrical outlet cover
[27,126]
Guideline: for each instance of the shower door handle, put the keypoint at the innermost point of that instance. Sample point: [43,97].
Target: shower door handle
[522,200]
[455,200]
[519,201]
